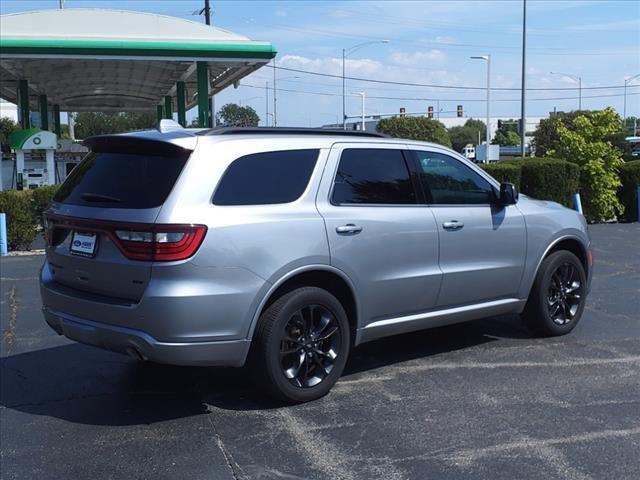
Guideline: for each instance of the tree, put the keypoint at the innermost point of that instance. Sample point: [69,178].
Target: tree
[7,127]
[232,115]
[506,138]
[546,136]
[588,143]
[415,128]
[507,133]
[88,124]
[467,133]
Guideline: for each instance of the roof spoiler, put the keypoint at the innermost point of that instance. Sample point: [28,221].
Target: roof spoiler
[134,145]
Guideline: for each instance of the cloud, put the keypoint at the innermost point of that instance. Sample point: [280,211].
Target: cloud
[445,39]
[418,58]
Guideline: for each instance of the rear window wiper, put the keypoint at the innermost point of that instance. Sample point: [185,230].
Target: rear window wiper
[98,197]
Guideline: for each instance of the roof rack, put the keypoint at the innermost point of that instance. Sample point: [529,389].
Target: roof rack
[287,131]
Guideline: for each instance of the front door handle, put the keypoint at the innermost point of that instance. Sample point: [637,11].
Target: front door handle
[349,228]
[452,225]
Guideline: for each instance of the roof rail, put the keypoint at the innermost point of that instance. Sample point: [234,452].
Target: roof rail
[287,131]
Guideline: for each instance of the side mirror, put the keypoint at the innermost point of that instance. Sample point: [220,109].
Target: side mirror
[508,194]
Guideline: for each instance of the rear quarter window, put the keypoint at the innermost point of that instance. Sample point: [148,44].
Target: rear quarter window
[266,178]
[122,180]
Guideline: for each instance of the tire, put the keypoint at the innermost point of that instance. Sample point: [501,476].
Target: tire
[306,366]
[558,296]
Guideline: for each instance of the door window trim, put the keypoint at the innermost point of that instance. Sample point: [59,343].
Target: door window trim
[408,158]
[426,192]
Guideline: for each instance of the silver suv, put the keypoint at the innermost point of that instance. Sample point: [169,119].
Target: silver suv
[286,248]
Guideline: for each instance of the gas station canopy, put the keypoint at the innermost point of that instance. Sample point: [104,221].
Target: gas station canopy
[108,60]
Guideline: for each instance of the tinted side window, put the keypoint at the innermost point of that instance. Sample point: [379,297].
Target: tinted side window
[266,178]
[121,180]
[369,175]
[452,182]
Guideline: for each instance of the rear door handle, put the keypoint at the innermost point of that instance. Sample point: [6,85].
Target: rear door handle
[452,225]
[349,228]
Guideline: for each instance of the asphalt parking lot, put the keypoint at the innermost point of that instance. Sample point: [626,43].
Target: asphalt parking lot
[476,400]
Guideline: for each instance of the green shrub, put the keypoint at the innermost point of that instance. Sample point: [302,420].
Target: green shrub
[21,224]
[550,179]
[40,200]
[630,178]
[504,172]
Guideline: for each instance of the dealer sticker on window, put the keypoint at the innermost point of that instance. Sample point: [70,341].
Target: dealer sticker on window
[84,243]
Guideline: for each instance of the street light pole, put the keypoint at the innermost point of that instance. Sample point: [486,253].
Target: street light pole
[488,125]
[344,112]
[275,111]
[523,120]
[362,95]
[266,117]
[575,78]
[275,117]
[627,82]
[345,53]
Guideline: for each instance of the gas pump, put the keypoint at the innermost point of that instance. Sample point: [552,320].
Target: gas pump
[30,142]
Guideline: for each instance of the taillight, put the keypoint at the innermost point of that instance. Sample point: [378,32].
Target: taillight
[146,242]
[160,243]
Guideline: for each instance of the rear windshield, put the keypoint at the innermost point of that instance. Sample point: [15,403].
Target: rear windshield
[121,180]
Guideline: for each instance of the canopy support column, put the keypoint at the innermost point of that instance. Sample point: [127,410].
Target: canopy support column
[180,104]
[203,93]
[44,113]
[168,107]
[23,104]
[159,112]
[56,120]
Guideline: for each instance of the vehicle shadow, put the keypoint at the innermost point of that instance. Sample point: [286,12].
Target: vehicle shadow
[81,384]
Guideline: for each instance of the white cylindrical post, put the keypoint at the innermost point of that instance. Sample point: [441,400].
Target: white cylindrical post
[577,203]
[4,241]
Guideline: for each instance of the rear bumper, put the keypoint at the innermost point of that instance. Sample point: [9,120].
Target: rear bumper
[140,344]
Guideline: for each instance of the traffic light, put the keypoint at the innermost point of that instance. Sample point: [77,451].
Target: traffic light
[430,111]
[459,110]
[402,111]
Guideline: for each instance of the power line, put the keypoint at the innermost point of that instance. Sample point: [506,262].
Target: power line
[423,99]
[506,49]
[450,87]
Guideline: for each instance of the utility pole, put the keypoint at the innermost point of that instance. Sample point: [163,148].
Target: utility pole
[61,4]
[212,109]
[626,82]
[207,12]
[523,120]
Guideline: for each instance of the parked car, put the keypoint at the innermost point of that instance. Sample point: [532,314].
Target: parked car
[286,248]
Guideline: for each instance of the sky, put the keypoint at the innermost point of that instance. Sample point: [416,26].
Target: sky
[429,43]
